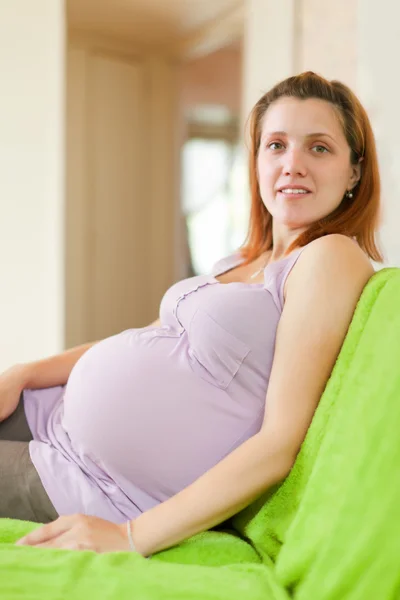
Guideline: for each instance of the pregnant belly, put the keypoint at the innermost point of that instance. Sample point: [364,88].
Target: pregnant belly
[135,407]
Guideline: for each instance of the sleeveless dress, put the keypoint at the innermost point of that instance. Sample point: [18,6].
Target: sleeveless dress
[147,411]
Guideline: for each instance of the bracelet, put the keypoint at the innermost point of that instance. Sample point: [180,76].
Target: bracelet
[129,530]
[132,546]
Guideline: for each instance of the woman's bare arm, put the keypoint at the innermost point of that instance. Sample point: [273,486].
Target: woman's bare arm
[55,370]
[322,294]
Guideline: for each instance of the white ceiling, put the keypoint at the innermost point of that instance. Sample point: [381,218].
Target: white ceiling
[154,22]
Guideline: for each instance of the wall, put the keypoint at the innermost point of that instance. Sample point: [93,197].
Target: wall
[31,182]
[378,86]
[291,36]
[214,79]
[327,35]
[122,187]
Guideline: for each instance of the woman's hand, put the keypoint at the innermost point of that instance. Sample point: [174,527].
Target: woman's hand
[79,532]
[12,382]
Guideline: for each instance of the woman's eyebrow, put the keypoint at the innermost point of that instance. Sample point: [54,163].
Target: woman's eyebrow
[308,135]
[320,134]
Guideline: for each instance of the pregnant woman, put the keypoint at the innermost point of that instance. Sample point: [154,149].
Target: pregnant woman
[152,435]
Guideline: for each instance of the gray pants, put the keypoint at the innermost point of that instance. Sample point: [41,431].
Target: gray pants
[22,495]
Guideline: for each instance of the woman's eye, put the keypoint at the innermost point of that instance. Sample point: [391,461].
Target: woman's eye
[317,148]
[320,149]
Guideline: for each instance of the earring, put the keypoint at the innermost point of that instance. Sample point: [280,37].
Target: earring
[349,194]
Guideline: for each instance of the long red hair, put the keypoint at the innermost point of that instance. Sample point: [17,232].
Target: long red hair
[358,217]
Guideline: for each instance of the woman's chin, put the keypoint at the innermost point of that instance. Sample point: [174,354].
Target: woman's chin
[294,221]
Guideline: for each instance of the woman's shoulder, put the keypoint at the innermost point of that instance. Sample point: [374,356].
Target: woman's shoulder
[335,248]
[334,257]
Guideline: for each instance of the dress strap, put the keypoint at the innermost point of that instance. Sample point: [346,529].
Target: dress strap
[276,273]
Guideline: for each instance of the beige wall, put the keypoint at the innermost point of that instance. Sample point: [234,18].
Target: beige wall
[378,86]
[269,47]
[328,39]
[214,79]
[291,36]
[32,181]
[122,187]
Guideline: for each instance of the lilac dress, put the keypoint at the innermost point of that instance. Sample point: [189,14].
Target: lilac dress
[147,411]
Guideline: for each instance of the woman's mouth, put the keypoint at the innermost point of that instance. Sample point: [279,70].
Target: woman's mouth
[293,192]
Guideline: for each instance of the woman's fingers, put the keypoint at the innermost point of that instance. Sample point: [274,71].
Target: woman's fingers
[48,532]
[66,541]
[79,532]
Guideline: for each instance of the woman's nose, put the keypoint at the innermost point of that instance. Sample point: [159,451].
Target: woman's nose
[293,163]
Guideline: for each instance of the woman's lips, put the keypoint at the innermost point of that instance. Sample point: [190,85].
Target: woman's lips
[291,195]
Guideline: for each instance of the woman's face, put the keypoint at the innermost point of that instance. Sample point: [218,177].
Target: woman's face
[303,163]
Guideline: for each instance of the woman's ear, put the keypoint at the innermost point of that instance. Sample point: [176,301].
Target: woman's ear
[356,173]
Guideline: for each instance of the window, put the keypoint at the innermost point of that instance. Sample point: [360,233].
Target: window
[214,195]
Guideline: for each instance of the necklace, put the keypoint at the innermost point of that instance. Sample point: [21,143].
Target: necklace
[259,270]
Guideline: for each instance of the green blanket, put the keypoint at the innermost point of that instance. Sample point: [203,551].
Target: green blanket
[330,531]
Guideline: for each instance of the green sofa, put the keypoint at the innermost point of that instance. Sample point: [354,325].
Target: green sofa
[330,531]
